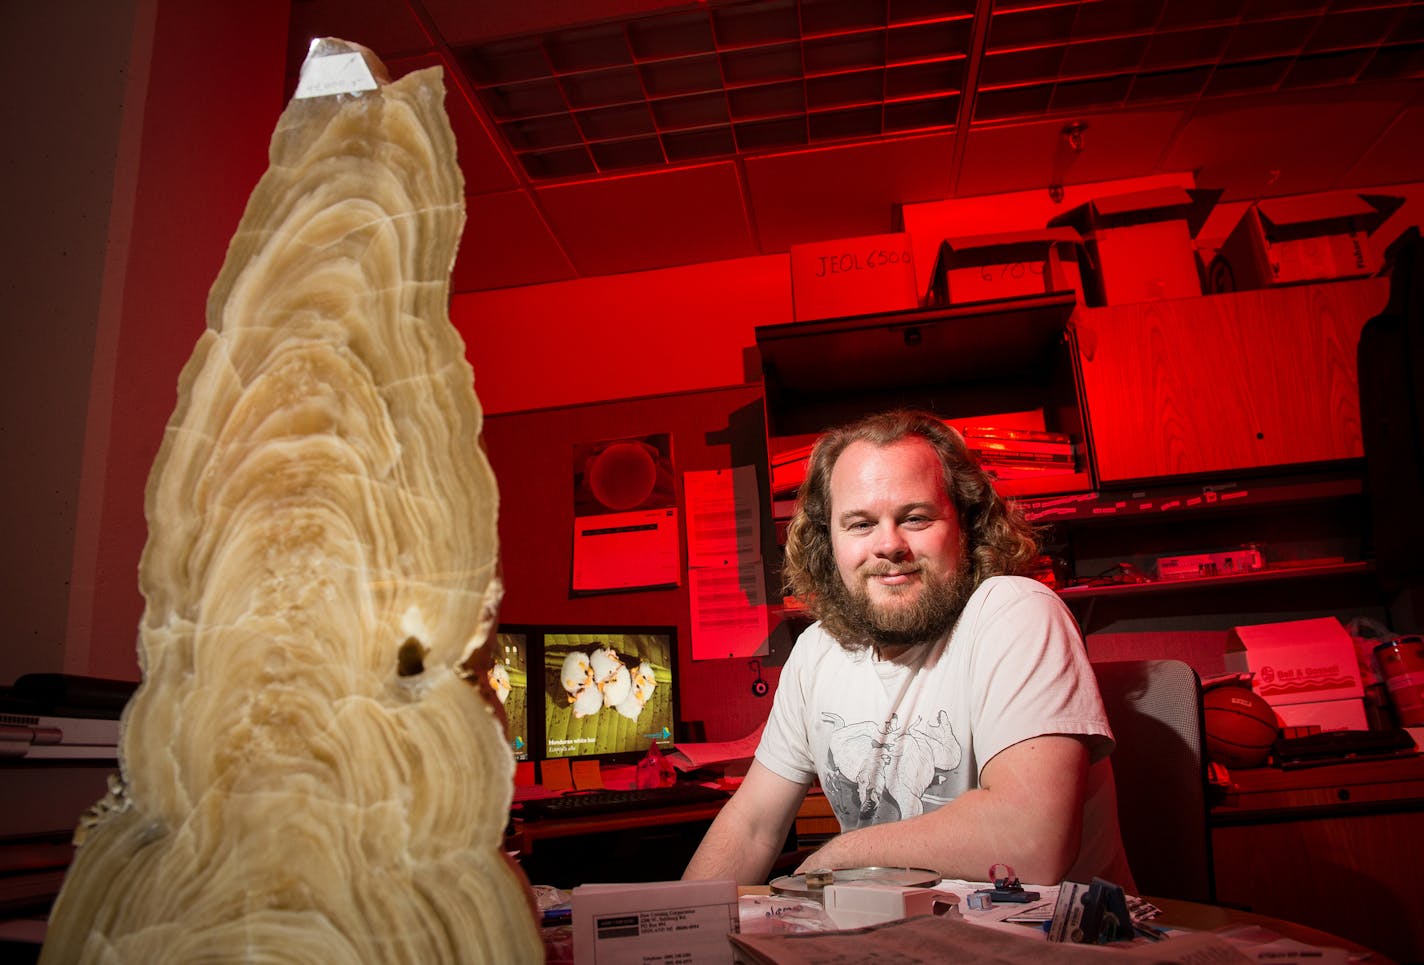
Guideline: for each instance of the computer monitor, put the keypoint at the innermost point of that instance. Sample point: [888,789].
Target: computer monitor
[608,692]
[509,678]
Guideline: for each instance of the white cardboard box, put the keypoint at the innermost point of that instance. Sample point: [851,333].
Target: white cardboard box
[1005,265]
[861,903]
[1283,241]
[853,276]
[1140,244]
[1305,669]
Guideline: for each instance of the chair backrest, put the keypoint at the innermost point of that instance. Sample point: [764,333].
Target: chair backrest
[1154,707]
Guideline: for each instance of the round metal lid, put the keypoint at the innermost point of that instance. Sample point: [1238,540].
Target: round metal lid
[811,884]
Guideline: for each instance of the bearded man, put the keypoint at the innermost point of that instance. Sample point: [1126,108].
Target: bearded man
[945,703]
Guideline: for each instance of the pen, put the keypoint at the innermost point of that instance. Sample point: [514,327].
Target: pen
[1149,931]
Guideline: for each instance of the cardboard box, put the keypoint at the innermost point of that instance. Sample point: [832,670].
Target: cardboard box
[853,276]
[1012,264]
[1305,669]
[1286,241]
[1140,244]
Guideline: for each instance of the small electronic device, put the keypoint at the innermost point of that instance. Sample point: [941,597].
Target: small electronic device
[860,903]
[1245,559]
[1007,888]
[812,884]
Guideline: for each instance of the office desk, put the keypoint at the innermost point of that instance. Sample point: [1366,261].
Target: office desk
[649,844]
[527,833]
[1340,846]
[1198,917]
[1192,916]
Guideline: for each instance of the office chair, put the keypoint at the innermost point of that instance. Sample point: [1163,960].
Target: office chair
[1154,708]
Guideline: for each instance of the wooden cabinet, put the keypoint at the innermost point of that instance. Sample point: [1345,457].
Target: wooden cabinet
[1225,382]
[1338,847]
[1209,423]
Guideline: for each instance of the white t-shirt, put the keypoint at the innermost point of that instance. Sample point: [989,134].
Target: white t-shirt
[892,739]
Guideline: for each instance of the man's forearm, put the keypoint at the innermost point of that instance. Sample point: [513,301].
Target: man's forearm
[732,848]
[961,840]
[1029,814]
[950,848]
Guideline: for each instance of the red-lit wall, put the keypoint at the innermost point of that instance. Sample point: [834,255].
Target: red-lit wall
[214,94]
[621,336]
[197,145]
[57,185]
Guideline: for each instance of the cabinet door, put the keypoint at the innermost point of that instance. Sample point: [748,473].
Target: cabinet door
[1226,382]
[1325,871]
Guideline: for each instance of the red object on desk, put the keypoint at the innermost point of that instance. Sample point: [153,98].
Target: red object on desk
[1402,663]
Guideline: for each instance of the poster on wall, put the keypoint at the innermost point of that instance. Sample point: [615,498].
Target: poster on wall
[625,515]
[725,574]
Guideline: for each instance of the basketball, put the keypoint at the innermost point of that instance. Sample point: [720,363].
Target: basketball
[1240,726]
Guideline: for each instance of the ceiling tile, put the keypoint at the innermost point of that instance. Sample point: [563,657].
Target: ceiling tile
[844,191]
[657,219]
[475,21]
[1020,157]
[1295,143]
[1396,158]
[507,244]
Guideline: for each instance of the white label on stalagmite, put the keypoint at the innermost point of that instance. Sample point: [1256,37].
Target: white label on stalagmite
[336,74]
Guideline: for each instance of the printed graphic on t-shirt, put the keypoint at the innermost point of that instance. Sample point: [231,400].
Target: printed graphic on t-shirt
[881,772]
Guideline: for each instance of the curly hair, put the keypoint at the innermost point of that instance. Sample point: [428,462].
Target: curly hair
[1000,541]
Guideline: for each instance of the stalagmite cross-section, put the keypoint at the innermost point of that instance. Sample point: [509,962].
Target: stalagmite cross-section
[310,770]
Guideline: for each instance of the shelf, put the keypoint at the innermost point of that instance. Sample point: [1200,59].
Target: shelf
[1282,574]
[1182,499]
[783,502]
[821,373]
[1063,482]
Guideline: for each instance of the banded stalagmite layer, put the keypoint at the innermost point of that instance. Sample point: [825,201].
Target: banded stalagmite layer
[309,772]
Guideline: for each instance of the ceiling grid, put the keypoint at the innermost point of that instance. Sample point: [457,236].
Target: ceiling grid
[612,136]
[740,78]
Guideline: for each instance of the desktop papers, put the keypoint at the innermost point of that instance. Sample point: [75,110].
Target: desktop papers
[948,940]
[689,757]
[625,551]
[729,612]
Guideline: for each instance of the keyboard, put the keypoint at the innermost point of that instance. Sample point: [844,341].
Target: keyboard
[1331,746]
[616,800]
